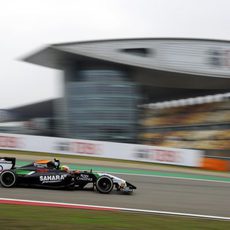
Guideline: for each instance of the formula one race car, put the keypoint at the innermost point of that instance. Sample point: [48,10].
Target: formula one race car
[49,174]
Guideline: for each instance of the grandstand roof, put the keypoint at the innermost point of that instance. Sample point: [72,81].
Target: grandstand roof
[39,109]
[189,101]
[159,62]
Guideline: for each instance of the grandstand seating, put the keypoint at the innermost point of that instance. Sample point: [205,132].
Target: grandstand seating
[202,126]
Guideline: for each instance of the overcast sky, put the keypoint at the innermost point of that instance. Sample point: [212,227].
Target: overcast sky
[27,25]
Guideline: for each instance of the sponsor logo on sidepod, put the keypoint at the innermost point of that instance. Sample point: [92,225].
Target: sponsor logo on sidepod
[84,177]
[52,178]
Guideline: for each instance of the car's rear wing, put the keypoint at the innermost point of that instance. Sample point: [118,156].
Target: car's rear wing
[7,163]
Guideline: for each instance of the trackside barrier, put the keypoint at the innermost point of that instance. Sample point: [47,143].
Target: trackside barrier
[215,164]
[132,152]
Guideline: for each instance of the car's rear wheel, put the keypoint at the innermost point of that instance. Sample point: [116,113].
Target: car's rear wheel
[7,179]
[104,184]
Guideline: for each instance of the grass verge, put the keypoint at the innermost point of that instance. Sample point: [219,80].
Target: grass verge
[38,218]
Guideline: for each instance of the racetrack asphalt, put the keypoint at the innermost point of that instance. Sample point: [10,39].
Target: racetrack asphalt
[153,193]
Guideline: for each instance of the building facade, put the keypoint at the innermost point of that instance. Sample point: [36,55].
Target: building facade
[105,81]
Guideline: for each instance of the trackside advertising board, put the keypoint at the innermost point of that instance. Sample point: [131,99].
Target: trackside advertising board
[133,152]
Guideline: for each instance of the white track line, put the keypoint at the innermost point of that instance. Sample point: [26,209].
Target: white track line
[171,177]
[81,206]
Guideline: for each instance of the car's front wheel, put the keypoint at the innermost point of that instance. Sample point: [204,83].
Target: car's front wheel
[7,179]
[104,184]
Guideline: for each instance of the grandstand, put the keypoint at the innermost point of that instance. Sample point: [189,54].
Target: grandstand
[195,123]
[168,92]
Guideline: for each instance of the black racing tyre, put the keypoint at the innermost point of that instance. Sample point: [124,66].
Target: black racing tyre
[7,179]
[104,184]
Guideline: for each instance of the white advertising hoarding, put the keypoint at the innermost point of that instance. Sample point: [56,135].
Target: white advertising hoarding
[133,152]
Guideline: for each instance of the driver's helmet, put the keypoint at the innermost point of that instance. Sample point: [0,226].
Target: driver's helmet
[64,168]
[56,163]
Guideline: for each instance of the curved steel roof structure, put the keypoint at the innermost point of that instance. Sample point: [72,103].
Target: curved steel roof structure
[160,62]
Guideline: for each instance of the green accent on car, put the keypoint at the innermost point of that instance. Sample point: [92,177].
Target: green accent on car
[96,175]
[22,171]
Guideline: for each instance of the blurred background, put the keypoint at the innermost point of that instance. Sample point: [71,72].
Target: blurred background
[150,72]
